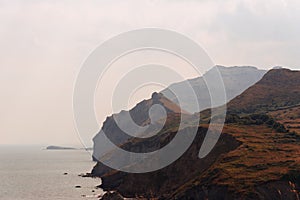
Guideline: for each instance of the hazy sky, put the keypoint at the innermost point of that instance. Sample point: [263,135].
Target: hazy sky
[44,43]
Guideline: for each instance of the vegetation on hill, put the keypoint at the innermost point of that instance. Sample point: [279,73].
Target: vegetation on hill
[256,157]
[256,119]
[278,89]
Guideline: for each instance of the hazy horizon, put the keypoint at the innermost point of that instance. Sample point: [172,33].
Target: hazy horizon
[44,44]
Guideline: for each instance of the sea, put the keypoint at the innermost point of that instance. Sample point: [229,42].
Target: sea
[33,173]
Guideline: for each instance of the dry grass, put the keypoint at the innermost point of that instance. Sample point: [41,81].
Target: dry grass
[263,156]
[289,117]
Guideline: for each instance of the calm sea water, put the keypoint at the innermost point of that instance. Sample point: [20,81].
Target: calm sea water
[30,173]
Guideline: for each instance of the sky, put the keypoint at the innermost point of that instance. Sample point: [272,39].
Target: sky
[43,44]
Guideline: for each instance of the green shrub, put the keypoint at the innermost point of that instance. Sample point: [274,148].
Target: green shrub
[256,119]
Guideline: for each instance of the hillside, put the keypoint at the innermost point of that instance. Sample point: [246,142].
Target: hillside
[140,116]
[282,92]
[256,157]
[289,117]
[236,80]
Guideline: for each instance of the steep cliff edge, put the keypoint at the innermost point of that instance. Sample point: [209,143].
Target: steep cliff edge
[256,157]
[236,80]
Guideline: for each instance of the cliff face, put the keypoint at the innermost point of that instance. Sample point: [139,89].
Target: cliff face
[256,157]
[140,115]
[172,177]
[248,162]
[236,80]
[262,167]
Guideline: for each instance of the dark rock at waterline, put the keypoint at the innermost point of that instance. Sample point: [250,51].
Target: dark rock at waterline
[112,196]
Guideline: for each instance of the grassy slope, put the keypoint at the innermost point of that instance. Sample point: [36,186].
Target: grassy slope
[289,117]
[278,88]
[264,155]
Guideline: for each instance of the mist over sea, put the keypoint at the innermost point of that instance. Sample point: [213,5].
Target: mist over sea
[31,173]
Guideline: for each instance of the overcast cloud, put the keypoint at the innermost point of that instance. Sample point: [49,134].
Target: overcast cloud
[43,44]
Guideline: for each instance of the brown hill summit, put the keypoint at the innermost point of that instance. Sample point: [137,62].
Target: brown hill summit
[256,157]
[277,89]
[140,115]
[236,80]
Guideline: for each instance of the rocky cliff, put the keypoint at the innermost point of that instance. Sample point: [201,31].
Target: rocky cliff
[256,157]
[236,80]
